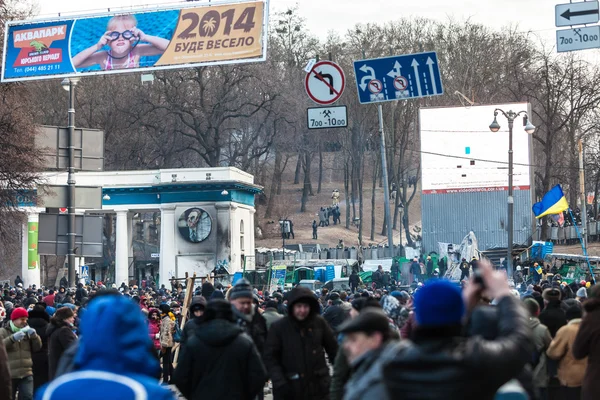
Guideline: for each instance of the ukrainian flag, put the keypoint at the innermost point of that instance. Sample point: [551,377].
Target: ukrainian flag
[554,202]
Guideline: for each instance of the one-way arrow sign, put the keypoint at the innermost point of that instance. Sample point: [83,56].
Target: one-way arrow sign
[577,13]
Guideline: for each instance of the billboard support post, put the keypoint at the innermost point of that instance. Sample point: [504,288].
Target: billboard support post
[386,185]
[72,82]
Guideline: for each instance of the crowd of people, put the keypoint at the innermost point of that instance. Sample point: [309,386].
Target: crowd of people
[435,340]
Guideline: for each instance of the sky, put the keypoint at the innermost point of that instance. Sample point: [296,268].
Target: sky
[323,16]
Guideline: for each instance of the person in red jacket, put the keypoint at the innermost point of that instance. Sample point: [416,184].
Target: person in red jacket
[154,327]
[49,300]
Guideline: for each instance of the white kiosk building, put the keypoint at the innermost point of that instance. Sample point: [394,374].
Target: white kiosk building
[206,218]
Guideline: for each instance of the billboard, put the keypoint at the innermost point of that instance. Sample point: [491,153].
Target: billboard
[464,169]
[148,39]
[459,154]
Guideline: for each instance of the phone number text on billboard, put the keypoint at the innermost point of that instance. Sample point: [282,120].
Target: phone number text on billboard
[181,37]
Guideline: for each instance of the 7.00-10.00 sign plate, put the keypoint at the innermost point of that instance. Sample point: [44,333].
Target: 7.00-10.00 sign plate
[327,117]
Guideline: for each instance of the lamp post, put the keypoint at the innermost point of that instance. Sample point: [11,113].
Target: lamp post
[69,85]
[495,127]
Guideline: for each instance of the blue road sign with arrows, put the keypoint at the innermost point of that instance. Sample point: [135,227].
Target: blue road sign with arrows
[409,76]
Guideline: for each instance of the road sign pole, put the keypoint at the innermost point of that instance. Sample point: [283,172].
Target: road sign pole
[386,186]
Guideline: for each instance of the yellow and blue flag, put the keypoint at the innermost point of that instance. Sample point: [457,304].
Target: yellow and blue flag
[553,202]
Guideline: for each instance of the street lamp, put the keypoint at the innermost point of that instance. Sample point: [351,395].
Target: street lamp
[495,127]
[69,84]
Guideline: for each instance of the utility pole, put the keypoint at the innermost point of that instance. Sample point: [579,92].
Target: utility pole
[71,82]
[582,194]
[386,185]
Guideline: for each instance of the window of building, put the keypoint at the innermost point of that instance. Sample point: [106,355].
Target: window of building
[242,235]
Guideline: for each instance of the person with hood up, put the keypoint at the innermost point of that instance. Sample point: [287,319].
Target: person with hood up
[125,368]
[241,297]
[439,360]
[60,296]
[197,309]
[60,337]
[570,370]
[587,345]
[354,280]
[553,315]
[167,328]
[220,361]
[39,320]
[154,328]
[295,350]
[464,269]
[21,341]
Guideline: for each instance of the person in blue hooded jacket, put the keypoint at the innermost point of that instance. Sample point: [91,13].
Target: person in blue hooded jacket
[114,357]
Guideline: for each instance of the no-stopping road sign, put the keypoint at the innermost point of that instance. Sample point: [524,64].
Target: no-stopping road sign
[325,82]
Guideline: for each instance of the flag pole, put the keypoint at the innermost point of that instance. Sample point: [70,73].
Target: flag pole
[587,258]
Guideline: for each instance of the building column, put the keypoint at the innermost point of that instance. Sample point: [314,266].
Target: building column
[167,267]
[121,251]
[224,230]
[30,265]
[131,267]
[250,232]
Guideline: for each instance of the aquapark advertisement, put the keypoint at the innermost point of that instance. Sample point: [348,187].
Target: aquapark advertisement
[181,37]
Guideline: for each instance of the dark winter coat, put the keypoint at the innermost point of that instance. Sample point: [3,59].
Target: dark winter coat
[295,352]
[587,344]
[5,381]
[353,280]
[220,362]
[335,315]
[553,317]
[415,268]
[256,328]
[377,277]
[60,338]
[38,320]
[447,366]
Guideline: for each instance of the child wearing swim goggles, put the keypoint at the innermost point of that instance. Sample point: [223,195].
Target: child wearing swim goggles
[122,37]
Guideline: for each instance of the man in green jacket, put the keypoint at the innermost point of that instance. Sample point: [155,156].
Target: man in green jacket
[20,341]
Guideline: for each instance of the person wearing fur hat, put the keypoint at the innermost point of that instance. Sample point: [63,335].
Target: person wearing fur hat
[39,320]
[60,337]
[20,341]
[300,372]
[246,314]
[553,316]
[587,345]
[449,365]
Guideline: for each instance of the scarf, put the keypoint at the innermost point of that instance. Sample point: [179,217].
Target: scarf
[171,316]
[14,328]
